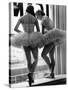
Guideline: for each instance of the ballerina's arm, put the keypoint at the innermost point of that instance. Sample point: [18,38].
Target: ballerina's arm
[17,25]
[37,26]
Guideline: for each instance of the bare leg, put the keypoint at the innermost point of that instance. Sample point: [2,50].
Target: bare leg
[35,55]
[51,53]
[28,57]
[31,67]
[45,51]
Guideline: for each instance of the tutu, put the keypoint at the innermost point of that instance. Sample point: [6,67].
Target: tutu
[37,39]
[20,39]
[56,36]
[27,39]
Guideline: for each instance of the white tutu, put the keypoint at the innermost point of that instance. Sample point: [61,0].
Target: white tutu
[56,36]
[21,39]
[27,39]
[37,39]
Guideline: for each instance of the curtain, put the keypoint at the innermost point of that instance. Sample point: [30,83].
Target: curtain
[58,14]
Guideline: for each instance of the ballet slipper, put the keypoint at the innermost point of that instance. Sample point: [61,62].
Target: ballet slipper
[31,80]
[52,75]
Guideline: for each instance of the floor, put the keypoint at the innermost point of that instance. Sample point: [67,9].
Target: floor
[58,80]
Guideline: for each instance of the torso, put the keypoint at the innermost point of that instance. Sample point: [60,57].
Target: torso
[47,23]
[28,23]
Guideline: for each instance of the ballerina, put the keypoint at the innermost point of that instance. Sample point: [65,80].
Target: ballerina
[28,22]
[52,34]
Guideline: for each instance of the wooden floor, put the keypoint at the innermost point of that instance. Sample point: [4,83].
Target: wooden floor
[58,80]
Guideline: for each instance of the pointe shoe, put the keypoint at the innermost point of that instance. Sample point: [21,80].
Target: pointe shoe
[52,75]
[31,80]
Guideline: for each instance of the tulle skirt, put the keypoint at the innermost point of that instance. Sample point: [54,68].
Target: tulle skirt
[37,39]
[55,35]
[27,39]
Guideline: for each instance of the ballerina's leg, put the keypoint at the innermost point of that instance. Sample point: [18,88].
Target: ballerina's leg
[45,51]
[29,64]
[51,54]
[33,66]
[35,55]
[28,57]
